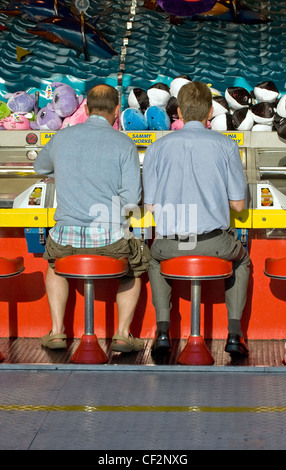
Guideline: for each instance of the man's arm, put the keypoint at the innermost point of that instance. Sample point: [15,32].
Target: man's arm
[237,206]
[43,164]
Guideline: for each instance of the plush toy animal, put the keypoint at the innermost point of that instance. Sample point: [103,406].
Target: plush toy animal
[4,110]
[77,117]
[133,119]
[47,119]
[15,122]
[65,100]
[157,118]
[20,102]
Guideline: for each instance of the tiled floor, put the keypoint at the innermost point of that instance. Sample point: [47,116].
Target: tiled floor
[262,353]
[134,404]
[146,410]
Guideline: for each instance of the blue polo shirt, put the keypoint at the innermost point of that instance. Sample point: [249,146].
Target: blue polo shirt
[190,175]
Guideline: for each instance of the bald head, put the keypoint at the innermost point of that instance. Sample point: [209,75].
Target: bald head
[103,100]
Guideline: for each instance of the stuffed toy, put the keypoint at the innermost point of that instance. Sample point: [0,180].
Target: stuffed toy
[242,119]
[47,119]
[222,122]
[237,97]
[281,107]
[263,113]
[266,91]
[138,98]
[172,109]
[220,106]
[20,102]
[261,128]
[157,119]
[132,119]
[15,122]
[65,100]
[177,83]
[159,95]
[4,110]
[116,124]
[177,125]
[77,117]
[279,124]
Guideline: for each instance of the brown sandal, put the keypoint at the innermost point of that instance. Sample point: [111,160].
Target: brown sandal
[131,344]
[54,341]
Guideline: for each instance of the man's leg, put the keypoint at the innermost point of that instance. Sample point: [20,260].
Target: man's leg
[161,295]
[57,288]
[127,299]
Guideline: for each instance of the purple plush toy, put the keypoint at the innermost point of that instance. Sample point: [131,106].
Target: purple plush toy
[47,119]
[20,102]
[65,100]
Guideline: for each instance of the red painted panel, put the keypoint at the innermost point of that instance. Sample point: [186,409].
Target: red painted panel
[24,309]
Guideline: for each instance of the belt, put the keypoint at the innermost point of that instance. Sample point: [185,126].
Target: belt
[200,237]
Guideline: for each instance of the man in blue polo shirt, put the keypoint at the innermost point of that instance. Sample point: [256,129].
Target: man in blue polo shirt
[192,178]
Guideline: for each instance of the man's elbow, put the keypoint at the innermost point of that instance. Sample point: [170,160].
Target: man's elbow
[237,206]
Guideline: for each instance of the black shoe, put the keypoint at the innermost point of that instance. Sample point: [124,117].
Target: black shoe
[235,346]
[162,344]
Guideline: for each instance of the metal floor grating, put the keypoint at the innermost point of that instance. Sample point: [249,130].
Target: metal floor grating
[262,353]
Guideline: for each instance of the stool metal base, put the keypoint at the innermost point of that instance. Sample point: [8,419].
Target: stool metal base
[195,353]
[89,351]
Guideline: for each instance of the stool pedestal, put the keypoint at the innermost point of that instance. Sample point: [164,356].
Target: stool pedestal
[89,268]
[89,350]
[196,269]
[195,352]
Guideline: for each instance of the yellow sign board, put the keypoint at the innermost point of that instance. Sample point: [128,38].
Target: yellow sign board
[237,136]
[45,137]
[142,138]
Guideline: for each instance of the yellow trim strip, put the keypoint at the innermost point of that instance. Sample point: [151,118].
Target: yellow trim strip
[144,408]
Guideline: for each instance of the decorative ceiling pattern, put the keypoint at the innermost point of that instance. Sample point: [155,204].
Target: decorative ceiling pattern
[152,47]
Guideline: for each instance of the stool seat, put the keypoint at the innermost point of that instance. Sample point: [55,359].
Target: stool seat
[91,266]
[11,267]
[275,268]
[196,267]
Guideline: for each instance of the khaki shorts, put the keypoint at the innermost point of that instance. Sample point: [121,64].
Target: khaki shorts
[134,250]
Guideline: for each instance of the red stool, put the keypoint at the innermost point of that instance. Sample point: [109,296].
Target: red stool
[276,269]
[196,269]
[9,268]
[89,268]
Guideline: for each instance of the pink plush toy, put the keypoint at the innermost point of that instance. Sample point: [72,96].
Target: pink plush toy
[177,124]
[116,124]
[77,117]
[15,122]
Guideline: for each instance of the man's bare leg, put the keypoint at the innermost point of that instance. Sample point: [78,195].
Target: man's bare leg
[127,299]
[57,288]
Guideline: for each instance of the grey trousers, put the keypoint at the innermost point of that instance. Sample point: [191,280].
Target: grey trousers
[226,246]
